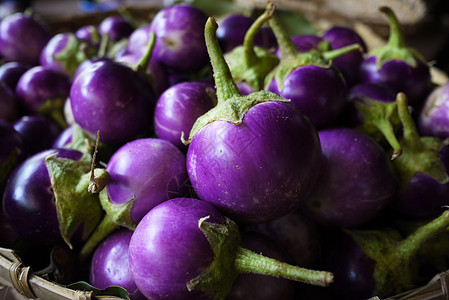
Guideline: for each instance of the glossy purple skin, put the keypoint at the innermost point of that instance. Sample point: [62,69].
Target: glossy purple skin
[154,69]
[54,46]
[232,29]
[9,108]
[38,85]
[11,72]
[28,202]
[86,34]
[114,99]
[304,87]
[116,27]
[353,269]
[358,93]
[64,138]
[109,265]
[180,41]
[350,198]
[348,64]
[262,287]
[296,234]
[22,38]
[38,133]
[424,197]
[168,249]
[433,119]
[273,154]
[179,107]
[400,77]
[151,170]
[304,42]
[138,40]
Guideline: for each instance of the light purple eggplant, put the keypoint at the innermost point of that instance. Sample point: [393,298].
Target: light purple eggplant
[249,150]
[179,107]
[116,27]
[401,68]
[22,38]
[356,180]
[109,265]
[11,72]
[179,31]
[185,248]
[433,119]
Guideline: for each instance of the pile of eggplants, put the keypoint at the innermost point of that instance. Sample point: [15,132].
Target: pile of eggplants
[194,157]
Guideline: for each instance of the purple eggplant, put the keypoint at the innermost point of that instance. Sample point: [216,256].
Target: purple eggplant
[89,34]
[304,42]
[38,133]
[372,109]
[9,108]
[44,91]
[356,179]
[260,287]
[179,31]
[28,202]
[433,119]
[11,72]
[143,173]
[422,169]
[348,64]
[250,64]
[113,98]
[116,27]
[401,68]
[110,265]
[296,234]
[232,29]
[381,263]
[22,38]
[249,150]
[301,76]
[11,151]
[179,107]
[205,258]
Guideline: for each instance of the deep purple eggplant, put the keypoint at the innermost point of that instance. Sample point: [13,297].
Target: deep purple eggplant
[206,257]
[356,179]
[381,263]
[9,108]
[39,197]
[109,265]
[113,98]
[143,173]
[179,107]
[232,29]
[22,38]
[116,27]
[295,233]
[401,68]
[301,76]
[261,287]
[44,91]
[11,72]
[179,31]
[433,119]
[372,109]
[11,151]
[249,64]
[249,150]
[348,64]
[422,169]
[38,133]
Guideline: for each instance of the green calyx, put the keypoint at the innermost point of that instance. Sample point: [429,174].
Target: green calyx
[419,154]
[54,109]
[231,104]
[251,64]
[73,54]
[395,268]
[381,122]
[395,48]
[76,206]
[221,274]
[120,214]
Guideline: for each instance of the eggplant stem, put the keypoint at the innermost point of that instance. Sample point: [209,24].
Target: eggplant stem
[396,38]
